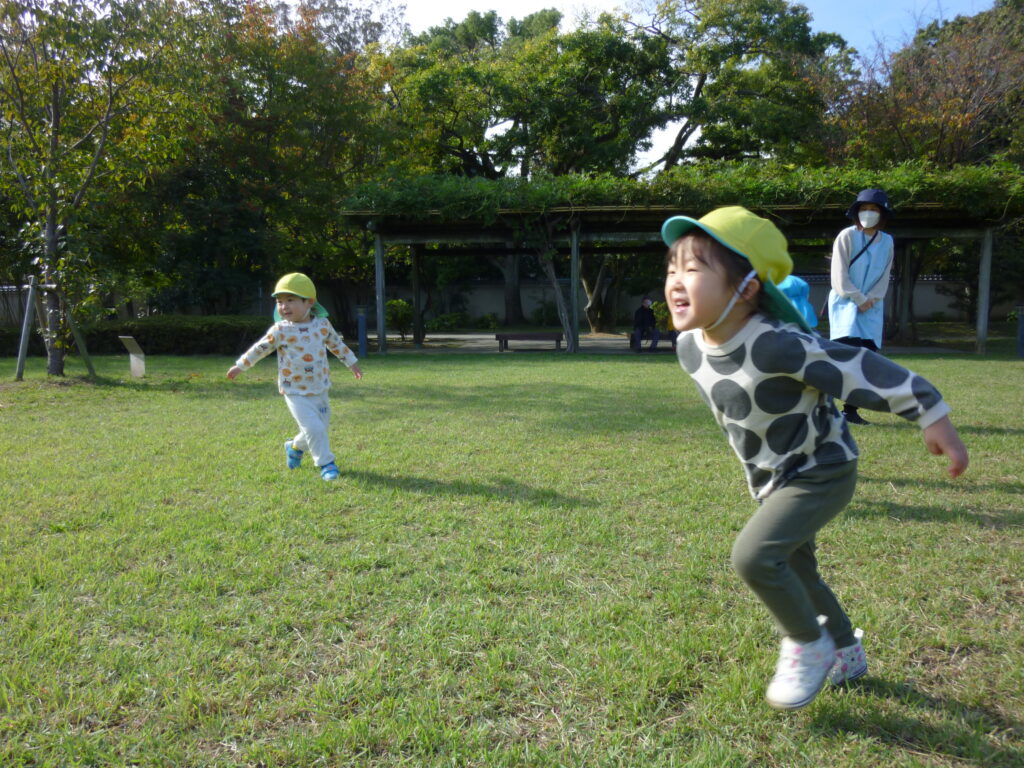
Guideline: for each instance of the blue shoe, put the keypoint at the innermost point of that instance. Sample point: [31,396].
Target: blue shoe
[292,457]
[329,471]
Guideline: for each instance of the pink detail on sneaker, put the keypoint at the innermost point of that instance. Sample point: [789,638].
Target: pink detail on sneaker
[851,662]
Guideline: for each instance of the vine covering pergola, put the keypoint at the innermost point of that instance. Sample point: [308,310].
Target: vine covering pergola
[579,216]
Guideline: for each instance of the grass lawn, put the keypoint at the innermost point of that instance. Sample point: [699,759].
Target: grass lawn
[525,563]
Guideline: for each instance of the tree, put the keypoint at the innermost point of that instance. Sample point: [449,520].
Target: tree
[439,87]
[746,78]
[72,74]
[952,96]
[285,125]
[481,98]
[579,102]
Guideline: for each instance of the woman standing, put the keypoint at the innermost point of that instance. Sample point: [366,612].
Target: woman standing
[862,258]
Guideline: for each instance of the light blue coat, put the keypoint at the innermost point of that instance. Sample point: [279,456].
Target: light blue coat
[868,278]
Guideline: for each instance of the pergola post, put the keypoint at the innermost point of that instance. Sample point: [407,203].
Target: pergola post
[573,342]
[382,339]
[984,291]
[417,317]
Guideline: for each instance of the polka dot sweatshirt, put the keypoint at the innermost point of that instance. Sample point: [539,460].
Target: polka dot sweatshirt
[771,389]
[302,362]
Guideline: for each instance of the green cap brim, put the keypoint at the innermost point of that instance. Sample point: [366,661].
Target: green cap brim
[779,306]
[318,310]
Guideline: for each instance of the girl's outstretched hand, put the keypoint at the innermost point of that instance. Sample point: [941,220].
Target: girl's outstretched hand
[941,438]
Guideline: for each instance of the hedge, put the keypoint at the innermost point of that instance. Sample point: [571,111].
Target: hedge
[159,335]
[993,191]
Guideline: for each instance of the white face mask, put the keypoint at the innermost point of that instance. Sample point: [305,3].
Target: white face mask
[868,219]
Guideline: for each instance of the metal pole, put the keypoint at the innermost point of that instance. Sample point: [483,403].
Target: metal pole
[26,328]
[984,290]
[417,316]
[382,339]
[361,328]
[1020,330]
[574,293]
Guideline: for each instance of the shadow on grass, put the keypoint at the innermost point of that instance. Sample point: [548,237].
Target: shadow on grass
[502,489]
[963,733]
[942,483]
[962,428]
[993,518]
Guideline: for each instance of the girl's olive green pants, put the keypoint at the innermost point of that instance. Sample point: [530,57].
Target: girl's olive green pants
[774,553]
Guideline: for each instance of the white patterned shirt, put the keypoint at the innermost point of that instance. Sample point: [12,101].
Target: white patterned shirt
[302,362]
[771,389]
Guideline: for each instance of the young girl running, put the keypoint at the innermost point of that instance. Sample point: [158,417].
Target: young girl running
[770,384]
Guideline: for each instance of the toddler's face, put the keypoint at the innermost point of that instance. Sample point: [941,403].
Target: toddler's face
[293,308]
[696,290]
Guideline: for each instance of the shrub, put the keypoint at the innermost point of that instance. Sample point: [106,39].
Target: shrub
[661,315]
[159,335]
[546,313]
[398,316]
[488,322]
[448,322]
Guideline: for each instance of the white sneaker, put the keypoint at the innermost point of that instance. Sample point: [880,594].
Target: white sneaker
[851,662]
[801,672]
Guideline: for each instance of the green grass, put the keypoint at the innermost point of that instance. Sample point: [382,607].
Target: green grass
[525,563]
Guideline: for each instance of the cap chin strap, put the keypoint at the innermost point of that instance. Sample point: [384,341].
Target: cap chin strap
[732,302]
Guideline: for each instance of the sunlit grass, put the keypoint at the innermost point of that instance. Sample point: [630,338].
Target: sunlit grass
[524,563]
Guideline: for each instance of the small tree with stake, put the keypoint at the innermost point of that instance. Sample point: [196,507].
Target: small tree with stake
[71,73]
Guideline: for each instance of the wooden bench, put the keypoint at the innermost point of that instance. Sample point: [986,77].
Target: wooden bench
[504,338]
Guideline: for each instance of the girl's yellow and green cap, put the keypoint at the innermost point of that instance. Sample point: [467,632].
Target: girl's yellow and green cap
[754,238]
[299,285]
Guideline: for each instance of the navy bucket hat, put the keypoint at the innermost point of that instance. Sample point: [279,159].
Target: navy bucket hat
[876,196]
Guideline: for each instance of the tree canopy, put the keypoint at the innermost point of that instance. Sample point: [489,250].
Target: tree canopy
[182,152]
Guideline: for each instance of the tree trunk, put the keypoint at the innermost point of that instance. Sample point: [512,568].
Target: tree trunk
[52,332]
[548,264]
[593,291]
[602,297]
[510,273]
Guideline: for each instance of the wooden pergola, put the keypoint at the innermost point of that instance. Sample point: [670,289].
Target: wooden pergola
[636,229]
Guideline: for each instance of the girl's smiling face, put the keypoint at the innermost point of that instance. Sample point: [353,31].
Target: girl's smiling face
[698,289]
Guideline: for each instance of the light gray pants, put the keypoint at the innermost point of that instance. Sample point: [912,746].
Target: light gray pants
[313,415]
[774,553]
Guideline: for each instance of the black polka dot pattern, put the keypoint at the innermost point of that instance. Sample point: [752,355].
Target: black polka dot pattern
[778,353]
[771,389]
[825,376]
[786,432]
[881,373]
[746,443]
[830,453]
[867,398]
[730,363]
[841,353]
[688,353]
[778,394]
[927,395]
[731,399]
